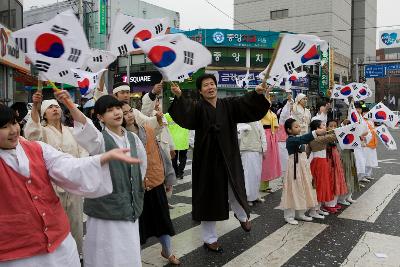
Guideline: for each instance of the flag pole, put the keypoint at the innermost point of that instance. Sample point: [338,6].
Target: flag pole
[271,63]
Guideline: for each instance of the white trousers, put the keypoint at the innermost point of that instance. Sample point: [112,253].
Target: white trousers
[292,213]
[209,228]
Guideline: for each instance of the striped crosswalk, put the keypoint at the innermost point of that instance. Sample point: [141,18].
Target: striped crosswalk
[288,245]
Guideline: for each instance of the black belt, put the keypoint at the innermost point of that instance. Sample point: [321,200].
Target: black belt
[267,126]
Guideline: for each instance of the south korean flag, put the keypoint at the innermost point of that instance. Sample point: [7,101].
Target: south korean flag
[381,113]
[87,81]
[128,30]
[176,56]
[295,50]
[98,60]
[353,115]
[386,138]
[348,136]
[361,91]
[55,46]
[342,92]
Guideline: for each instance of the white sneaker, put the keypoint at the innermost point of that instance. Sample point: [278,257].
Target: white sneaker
[315,215]
[362,185]
[324,213]
[365,180]
[351,200]
[260,199]
[370,178]
[291,221]
[250,203]
[344,202]
[304,218]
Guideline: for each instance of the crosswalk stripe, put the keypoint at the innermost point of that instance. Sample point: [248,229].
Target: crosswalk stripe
[278,247]
[187,193]
[185,179]
[187,241]
[374,249]
[370,204]
[179,210]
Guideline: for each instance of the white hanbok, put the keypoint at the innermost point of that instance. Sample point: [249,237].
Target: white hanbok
[84,177]
[110,242]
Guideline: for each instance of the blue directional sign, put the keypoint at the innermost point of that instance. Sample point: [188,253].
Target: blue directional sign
[382,70]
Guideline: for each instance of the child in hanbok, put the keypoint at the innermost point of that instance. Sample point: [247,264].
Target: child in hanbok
[113,219]
[320,169]
[336,169]
[33,225]
[350,174]
[253,145]
[298,194]
[371,157]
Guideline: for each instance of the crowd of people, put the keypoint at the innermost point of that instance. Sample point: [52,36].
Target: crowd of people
[118,165]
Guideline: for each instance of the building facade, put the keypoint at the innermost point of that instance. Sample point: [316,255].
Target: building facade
[14,70]
[348,25]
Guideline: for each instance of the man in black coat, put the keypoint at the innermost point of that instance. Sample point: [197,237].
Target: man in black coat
[217,172]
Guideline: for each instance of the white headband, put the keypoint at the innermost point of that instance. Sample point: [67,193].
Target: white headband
[121,88]
[46,104]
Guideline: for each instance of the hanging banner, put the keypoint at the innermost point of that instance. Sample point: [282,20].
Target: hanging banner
[324,74]
[102,16]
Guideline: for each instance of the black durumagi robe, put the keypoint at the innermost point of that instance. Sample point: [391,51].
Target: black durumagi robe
[216,155]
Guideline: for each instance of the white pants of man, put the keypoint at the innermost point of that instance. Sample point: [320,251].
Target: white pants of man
[209,228]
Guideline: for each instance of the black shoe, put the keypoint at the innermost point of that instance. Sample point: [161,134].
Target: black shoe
[179,176]
[214,247]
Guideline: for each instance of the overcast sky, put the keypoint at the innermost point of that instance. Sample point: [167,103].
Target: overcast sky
[198,13]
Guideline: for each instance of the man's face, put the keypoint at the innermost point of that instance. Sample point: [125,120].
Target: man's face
[9,134]
[208,89]
[124,96]
[128,115]
[112,117]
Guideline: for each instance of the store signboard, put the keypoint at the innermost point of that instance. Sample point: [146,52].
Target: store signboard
[389,39]
[382,70]
[139,80]
[234,38]
[102,16]
[9,52]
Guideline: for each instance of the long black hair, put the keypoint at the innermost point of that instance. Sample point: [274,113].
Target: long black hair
[288,124]
[7,115]
[315,124]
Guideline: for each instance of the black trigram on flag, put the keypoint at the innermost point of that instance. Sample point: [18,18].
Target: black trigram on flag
[289,66]
[173,42]
[22,44]
[42,65]
[342,134]
[355,144]
[75,54]
[59,30]
[95,77]
[299,47]
[181,77]
[369,115]
[98,59]
[76,76]
[88,69]
[122,50]
[159,28]
[188,57]
[128,27]
[63,73]
[390,117]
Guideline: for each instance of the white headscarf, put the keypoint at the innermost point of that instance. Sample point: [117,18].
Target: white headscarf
[46,104]
[299,97]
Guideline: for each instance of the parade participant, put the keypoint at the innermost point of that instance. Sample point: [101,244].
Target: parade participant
[298,194]
[371,157]
[271,167]
[359,151]
[217,178]
[34,227]
[285,114]
[320,170]
[336,169]
[180,137]
[112,219]
[155,218]
[321,112]
[300,113]
[350,173]
[253,145]
[60,137]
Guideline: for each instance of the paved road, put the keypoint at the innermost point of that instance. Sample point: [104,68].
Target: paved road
[364,234]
